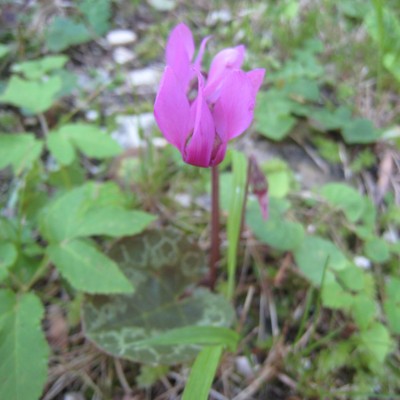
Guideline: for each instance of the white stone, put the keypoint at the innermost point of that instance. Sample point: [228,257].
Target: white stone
[183,199]
[218,16]
[120,37]
[144,77]
[362,262]
[92,115]
[121,55]
[244,367]
[130,128]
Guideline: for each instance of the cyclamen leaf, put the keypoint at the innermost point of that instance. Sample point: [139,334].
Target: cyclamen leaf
[88,269]
[19,150]
[23,348]
[97,13]
[157,324]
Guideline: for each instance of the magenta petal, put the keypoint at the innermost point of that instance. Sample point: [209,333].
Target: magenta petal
[172,109]
[256,77]
[180,51]
[199,57]
[223,62]
[233,111]
[200,146]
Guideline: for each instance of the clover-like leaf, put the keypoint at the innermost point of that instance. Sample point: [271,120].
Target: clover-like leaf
[19,150]
[144,326]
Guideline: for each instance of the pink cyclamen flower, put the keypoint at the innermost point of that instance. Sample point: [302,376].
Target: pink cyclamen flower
[222,108]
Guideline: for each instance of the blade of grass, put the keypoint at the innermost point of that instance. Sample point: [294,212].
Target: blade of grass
[202,374]
[201,335]
[234,222]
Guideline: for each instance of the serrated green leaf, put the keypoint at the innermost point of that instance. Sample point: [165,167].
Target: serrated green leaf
[377,250]
[360,130]
[19,150]
[63,32]
[112,221]
[277,232]
[61,148]
[87,269]
[363,310]
[345,198]
[331,120]
[334,296]
[202,374]
[36,69]
[145,326]
[97,13]
[8,255]
[91,209]
[377,343]
[21,340]
[273,114]
[34,96]
[303,89]
[87,138]
[315,254]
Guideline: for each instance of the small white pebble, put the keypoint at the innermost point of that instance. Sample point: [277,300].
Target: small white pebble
[362,262]
[120,37]
[122,56]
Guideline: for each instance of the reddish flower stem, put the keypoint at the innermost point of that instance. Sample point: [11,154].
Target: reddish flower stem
[215,240]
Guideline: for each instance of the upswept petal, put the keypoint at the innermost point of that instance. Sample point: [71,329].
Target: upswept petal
[226,60]
[199,57]
[199,148]
[256,77]
[179,52]
[234,109]
[172,110]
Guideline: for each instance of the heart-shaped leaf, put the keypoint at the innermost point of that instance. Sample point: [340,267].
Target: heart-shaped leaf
[162,265]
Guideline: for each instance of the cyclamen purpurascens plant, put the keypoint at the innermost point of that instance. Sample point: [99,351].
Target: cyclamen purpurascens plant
[221,109]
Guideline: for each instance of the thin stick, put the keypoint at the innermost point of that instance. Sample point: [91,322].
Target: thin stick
[215,240]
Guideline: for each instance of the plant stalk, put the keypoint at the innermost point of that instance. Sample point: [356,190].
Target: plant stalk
[215,240]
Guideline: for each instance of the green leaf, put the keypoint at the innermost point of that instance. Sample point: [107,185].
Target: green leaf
[377,250]
[331,120]
[35,96]
[279,177]
[315,254]
[87,269]
[333,294]
[36,69]
[377,343]
[202,374]
[345,198]
[360,130]
[145,327]
[391,62]
[61,148]
[88,210]
[363,311]
[234,222]
[89,139]
[273,115]
[4,50]
[203,335]
[277,232]
[8,255]
[392,304]
[303,89]
[97,13]
[21,340]
[64,32]
[19,150]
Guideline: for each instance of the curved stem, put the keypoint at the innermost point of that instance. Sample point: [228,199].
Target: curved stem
[215,240]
